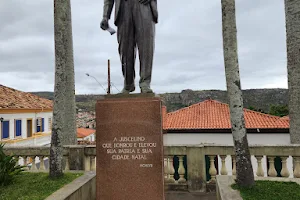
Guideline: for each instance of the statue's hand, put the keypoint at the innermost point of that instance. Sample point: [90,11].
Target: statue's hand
[104,24]
[145,2]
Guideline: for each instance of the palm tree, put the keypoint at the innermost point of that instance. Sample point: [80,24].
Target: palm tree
[292,17]
[64,127]
[244,171]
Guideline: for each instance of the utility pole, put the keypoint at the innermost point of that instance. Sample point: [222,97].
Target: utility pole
[108,78]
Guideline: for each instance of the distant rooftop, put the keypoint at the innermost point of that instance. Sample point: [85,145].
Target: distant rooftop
[15,99]
[84,132]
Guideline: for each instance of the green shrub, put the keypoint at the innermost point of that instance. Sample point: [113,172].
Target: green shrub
[8,168]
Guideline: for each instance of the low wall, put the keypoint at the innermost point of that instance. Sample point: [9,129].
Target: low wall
[82,188]
[189,168]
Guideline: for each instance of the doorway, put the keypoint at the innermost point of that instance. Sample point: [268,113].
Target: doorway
[29,127]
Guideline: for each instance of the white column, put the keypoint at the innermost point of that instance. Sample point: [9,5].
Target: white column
[297,167]
[233,165]
[181,170]
[34,124]
[46,123]
[212,169]
[284,171]
[67,167]
[42,165]
[87,163]
[24,128]
[93,163]
[260,171]
[11,128]
[166,169]
[33,164]
[171,170]
[223,167]
[272,171]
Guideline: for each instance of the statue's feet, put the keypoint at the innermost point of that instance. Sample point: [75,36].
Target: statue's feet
[124,91]
[146,90]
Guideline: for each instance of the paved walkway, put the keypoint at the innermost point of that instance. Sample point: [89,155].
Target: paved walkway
[190,196]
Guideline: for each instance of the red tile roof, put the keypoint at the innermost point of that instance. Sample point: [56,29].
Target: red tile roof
[211,114]
[14,99]
[84,132]
[164,113]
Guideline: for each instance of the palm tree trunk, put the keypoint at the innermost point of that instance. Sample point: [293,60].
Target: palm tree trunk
[70,131]
[292,13]
[244,171]
[64,127]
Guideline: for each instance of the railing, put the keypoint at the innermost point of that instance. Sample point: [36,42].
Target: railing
[35,158]
[267,161]
[185,167]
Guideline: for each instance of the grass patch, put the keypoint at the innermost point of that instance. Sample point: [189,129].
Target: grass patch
[270,190]
[34,186]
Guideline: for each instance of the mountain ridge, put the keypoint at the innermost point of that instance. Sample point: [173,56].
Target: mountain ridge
[258,99]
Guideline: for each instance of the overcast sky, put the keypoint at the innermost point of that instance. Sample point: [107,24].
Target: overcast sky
[188,52]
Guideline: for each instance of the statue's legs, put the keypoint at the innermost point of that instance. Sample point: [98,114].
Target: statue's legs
[127,45]
[136,28]
[145,35]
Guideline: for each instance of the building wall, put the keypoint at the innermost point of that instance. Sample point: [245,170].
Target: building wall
[90,138]
[34,141]
[24,117]
[223,138]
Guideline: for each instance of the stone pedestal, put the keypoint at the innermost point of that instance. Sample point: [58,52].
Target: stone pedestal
[129,148]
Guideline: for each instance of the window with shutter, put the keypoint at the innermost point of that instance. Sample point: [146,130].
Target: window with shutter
[18,127]
[5,129]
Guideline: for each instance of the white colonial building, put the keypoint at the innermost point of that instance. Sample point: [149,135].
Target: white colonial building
[86,134]
[208,123]
[23,115]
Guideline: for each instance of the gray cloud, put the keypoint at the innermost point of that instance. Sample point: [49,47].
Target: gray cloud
[188,51]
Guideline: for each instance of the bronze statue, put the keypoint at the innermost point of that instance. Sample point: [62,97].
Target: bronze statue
[136,21]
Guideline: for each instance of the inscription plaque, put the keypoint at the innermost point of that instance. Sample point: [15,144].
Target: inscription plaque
[129,149]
